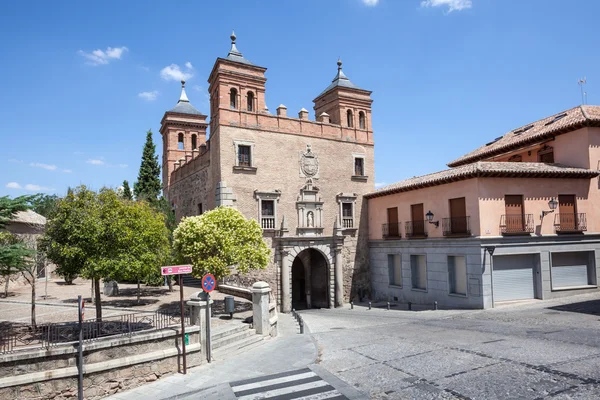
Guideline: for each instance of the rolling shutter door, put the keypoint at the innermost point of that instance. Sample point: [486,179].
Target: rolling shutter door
[513,277]
[570,269]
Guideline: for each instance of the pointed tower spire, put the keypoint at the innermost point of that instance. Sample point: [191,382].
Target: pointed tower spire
[234,54]
[183,96]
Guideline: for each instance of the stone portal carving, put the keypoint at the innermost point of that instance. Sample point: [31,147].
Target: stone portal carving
[310,210]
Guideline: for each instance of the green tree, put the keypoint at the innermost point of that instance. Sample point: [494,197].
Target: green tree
[127,191]
[218,239]
[44,204]
[148,185]
[14,257]
[9,207]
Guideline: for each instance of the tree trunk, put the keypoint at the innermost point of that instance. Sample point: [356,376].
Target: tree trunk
[6,286]
[139,291]
[32,283]
[170,283]
[93,280]
[97,300]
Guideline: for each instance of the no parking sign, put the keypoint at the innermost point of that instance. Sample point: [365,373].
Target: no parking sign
[208,283]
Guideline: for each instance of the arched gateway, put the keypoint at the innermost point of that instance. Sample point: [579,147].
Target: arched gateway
[310,280]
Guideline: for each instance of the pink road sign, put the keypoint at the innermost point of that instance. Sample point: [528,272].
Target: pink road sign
[176,270]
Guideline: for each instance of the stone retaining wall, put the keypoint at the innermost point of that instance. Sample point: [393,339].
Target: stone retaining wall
[110,365]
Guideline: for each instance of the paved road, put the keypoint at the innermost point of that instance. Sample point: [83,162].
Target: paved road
[535,350]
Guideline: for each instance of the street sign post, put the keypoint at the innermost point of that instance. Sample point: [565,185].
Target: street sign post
[179,270]
[81,311]
[208,285]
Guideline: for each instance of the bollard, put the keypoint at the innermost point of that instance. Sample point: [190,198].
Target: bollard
[301,326]
[369,305]
[352,305]
[409,306]
[435,305]
[388,306]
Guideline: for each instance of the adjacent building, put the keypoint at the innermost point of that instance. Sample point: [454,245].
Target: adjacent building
[517,218]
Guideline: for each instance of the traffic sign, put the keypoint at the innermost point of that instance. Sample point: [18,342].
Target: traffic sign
[176,270]
[208,283]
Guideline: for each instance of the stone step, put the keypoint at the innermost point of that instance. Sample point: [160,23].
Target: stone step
[227,330]
[233,338]
[238,347]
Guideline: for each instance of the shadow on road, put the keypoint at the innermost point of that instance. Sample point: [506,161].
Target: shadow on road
[585,307]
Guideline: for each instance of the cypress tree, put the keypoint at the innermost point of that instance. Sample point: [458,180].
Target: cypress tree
[127,191]
[148,185]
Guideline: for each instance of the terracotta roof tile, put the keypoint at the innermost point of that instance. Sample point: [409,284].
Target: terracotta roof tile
[563,122]
[486,169]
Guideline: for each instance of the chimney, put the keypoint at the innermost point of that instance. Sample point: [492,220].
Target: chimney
[303,113]
[324,117]
[282,111]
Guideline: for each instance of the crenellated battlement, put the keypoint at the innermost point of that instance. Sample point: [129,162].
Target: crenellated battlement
[194,161]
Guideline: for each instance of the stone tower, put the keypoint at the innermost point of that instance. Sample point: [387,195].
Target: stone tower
[183,130]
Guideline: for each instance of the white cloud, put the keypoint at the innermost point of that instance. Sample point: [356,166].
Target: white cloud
[174,73]
[123,165]
[95,162]
[13,185]
[49,167]
[36,188]
[189,65]
[370,3]
[101,57]
[453,5]
[67,171]
[380,184]
[149,96]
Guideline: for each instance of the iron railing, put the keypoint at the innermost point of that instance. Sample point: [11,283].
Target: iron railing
[516,224]
[570,222]
[391,231]
[415,229]
[456,226]
[268,222]
[24,337]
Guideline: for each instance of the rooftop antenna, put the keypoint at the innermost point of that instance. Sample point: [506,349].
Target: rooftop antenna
[581,84]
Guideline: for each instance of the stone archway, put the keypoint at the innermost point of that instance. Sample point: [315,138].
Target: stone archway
[310,280]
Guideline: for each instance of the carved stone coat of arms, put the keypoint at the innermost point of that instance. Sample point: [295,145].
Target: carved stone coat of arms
[309,163]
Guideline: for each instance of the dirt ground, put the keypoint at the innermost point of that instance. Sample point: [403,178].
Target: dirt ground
[57,302]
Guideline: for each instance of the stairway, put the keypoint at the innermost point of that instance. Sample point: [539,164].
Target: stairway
[233,338]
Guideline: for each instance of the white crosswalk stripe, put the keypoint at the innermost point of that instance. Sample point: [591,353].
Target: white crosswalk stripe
[301,384]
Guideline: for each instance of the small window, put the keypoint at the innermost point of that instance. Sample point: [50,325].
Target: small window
[395,269]
[233,98]
[267,214]
[244,155]
[546,154]
[349,118]
[200,211]
[180,141]
[361,120]
[457,275]
[347,216]
[250,101]
[359,166]
[418,270]
[194,142]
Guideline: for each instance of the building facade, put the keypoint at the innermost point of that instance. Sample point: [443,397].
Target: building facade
[303,180]
[518,218]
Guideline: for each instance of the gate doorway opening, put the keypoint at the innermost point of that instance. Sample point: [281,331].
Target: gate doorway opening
[310,280]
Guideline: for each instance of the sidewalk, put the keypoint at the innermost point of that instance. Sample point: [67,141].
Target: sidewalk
[289,350]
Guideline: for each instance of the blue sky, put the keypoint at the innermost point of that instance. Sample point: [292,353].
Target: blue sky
[81,82]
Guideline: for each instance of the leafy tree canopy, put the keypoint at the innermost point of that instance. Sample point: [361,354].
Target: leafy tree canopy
[9,207]
[45,204]
[220,238]
[148,185]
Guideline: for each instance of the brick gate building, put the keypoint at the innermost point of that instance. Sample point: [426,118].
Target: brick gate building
[302,179]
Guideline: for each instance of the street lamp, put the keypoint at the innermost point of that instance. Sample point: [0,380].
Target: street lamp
[552,204]
[429,217]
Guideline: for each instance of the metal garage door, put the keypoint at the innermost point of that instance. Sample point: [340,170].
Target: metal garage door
[570,269]
[513,277]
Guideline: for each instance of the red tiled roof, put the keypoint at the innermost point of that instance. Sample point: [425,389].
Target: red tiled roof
[535,132]
[486,169]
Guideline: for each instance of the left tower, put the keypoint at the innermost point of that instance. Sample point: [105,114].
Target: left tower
[183,129]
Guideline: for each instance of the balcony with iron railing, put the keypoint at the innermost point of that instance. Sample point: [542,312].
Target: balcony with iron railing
[516,224]
[267,222]
[570,223]
[456,226]
[415,229]
[391,230]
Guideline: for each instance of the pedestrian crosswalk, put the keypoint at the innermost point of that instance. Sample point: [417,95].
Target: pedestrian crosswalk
[302,384]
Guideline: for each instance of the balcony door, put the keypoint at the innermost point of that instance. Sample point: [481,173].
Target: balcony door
[417,218]
[515,221]
[567,212]
[458,215]
[392,218]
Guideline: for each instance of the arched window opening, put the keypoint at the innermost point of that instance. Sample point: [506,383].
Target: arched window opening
[180,141]
[250,101]
[194,142]
[349,118]
[233,99]
[361,120]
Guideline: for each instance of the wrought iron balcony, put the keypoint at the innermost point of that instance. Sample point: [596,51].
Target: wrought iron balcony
[516,224]
[570,223]
[456,226]
[391,231]
[415,229]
